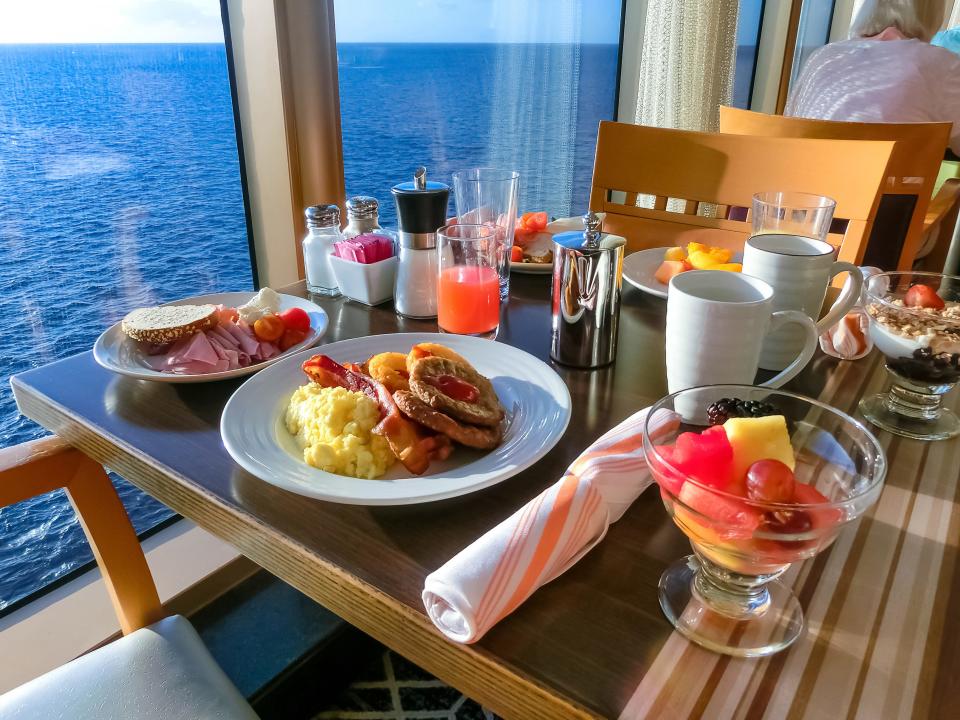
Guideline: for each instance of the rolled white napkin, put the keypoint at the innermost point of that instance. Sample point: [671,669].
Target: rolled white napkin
[850,339]
[492,576]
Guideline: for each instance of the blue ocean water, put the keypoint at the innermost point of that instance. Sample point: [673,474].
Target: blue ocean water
[524,107]
[120,187]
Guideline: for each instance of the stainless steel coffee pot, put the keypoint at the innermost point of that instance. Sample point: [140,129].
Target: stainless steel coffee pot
[587,277]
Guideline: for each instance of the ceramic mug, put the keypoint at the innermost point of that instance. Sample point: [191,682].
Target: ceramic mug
[799,269]
[716,324]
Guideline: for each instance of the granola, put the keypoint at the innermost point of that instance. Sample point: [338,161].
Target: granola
[928,327]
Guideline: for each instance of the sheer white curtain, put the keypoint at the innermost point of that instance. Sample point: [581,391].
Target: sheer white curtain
[687,63]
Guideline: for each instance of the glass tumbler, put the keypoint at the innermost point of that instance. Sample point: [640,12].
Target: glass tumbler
[468,285]
[792,213]
[488,196]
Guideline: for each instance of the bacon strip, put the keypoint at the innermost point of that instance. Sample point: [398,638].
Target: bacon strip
[406,442]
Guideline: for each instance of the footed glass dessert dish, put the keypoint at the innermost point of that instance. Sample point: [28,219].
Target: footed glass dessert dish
[757,479]
[915,323]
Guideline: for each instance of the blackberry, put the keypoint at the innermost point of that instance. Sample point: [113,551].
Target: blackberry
[722,410]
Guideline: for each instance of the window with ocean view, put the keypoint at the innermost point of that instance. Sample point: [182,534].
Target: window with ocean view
[119,188]
[749,20]
[462,84]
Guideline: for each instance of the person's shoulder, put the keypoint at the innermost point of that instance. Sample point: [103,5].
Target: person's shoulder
[945,61]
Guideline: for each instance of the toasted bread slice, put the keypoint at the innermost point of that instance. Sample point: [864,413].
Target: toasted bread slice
[168,323]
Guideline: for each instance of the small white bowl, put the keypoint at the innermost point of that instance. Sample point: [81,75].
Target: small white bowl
[370,284]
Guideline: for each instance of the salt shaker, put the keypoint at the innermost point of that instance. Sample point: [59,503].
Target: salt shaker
[323,230]
[421,211]
[587,280]
[362,216]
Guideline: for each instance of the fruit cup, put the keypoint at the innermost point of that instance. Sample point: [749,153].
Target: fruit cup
[915,323]
[727,596]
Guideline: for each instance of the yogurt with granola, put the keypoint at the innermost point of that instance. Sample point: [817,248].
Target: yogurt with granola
[919,334]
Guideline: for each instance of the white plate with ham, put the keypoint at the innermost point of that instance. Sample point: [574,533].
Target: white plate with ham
[535,398]
[226,351]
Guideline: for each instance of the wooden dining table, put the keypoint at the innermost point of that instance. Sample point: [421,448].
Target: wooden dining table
[882,604]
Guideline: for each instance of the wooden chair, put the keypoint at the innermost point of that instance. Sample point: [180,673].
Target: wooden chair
[941,230]
[901,217]
[711,172]
[160,667]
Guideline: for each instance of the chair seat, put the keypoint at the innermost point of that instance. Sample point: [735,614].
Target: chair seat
[161,671]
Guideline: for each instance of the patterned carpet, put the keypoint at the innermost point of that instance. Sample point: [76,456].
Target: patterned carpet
[391,688]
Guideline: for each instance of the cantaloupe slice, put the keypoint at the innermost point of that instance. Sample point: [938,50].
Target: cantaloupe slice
[669,268]
[675,253]
[763,438]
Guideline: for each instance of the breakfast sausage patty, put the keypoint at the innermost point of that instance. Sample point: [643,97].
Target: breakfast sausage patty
[457,390]
[482,438]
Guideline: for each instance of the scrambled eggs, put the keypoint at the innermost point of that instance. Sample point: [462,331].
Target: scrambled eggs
[333,426]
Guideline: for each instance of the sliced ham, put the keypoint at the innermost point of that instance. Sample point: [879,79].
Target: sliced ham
[228,346]
[244,335]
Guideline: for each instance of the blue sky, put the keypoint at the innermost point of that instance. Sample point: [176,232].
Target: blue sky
[105,21]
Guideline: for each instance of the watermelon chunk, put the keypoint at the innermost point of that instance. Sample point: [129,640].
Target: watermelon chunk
[717,517]
[708,458]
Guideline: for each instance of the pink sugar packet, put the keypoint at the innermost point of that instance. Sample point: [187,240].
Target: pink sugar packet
[365,249]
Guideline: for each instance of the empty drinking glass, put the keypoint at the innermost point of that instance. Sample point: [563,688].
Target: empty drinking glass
[792,213]
[488,196]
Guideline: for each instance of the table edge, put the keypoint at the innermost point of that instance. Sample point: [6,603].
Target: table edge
[509,692]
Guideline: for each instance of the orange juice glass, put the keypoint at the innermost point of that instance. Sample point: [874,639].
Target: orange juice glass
[468,286]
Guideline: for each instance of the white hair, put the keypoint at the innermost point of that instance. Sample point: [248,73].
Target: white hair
[914,18]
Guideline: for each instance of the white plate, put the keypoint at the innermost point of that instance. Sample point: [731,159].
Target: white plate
[117,352]
[638,270]
[639,267]
[536,400]
[531,268]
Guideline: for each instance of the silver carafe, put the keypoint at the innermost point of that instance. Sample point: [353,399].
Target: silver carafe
[587,279]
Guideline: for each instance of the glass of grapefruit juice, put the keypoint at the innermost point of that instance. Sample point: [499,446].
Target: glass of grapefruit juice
[468,286]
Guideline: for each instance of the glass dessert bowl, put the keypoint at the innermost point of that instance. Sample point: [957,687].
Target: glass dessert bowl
[915,323]
[764,479]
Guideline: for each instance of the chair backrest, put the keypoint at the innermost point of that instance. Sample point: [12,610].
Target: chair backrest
[705,170]
[898,232]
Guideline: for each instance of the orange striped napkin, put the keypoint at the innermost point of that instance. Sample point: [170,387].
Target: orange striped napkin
[492,576]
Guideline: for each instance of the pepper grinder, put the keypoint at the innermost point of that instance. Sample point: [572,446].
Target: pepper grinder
[587,277]
[421,211]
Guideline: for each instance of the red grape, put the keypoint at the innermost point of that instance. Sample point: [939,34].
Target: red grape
[770,481]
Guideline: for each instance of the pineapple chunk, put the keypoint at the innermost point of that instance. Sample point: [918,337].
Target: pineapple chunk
[729,267]
[763,438]
[675,254]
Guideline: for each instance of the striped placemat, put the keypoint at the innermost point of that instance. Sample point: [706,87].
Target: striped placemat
[882,606]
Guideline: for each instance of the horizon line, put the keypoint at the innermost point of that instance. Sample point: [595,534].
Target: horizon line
[342,42]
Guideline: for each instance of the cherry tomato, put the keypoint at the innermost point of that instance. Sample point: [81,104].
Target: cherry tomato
[290,338]
[923,296]
[516,254]
[770,481]
[296,319]
[268,328]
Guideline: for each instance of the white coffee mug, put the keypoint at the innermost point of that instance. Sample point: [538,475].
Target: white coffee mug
[799,269]
[716,323]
